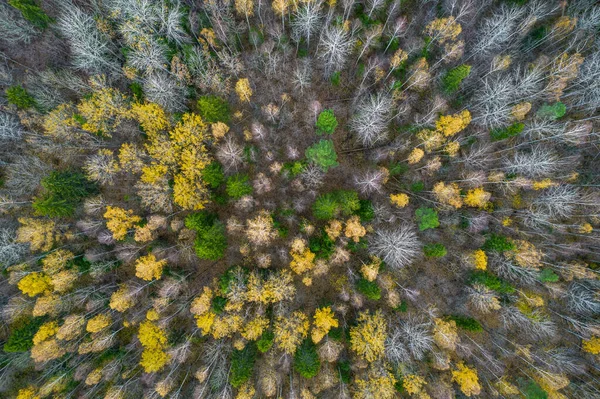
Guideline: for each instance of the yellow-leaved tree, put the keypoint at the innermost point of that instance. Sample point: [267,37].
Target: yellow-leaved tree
[323,321]
[367,338]
[34,284]
[154,341]
[467,379]
[290,330]
[148,268]
[243,90]
[119,221]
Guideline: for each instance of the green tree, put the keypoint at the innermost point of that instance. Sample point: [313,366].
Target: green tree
[427,218]
[18,96]
[211,240]
[238,186]
[32,12]
[63,192]
[322,154]
[21,334]
[266,341]
[498,243]
[306,359]
[213,109]
[434,250]
[325,207]
[370,289]
[326,122]
[506,132]
[242,365]
[552,111]
[452,80]
[212,175]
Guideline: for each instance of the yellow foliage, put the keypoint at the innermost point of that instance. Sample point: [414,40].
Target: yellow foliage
[151,117]
[189,132]
[376,386]
[243,90]
[432,139]
[255,327]
[48,304]
[585,228]
[443,29]
[334,229]
[477,197]
[94,377]
[152,315]
[400,200]
[148,268]
[448,194]
[40,234]
[189,193]
[354,229]
[451,148]
[323,321]
[246,391]
[413,383]
[219,130]
[202,303]
[55,261]
[34,284]
[479,259]
[591,345]
[151,336]
[415,156]
[371,270]
[449,125]
[121,299]
[302,258]
[542,184]
[467,380]
[290,331]
[27,393]
[244,7]
[103,110]
[119,221]
[63,281]
[153,360]
[445,334]
[225,326]
[520,111]
[130,158]
[98,323]
[71,328]
[367,339]
[46,330]
[398,58]
[525,254]
[205,321]
[47,350]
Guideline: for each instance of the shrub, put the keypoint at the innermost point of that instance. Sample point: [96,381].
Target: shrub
[266,341]
[452,80]
[238,186]
[21,336]
[490,281]
[32,12]
[322,154]
[427,218]
[467,323]
[504,133]
[548,276]
[554,111]
[18,96]
[370,289]
[326,122]
[212,175]
[213,109]
[497,243]
[306,359]
[434,250]
[242,365]
[63,191]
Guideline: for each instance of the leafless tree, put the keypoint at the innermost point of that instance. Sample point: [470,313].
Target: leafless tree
[396,247]
[162,89]
[371,119]
[410,337]
[307,21]
[538,162]
[14,29]
[335,45]
[10,127]
[371,181]
[583,297]
[230,154]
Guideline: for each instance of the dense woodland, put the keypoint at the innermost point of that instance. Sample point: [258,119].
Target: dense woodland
[303,199]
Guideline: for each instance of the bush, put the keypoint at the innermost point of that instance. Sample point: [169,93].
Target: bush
[18,96]
[434,250]
[490,281]
[548,276]
[306,359]
[32,12]
[370,289]
[322,154]
[242,365]
[326,122]
[238,186]
[467,323]
[330,205]
[266,341]
[212,175]
[427,218]
[452,80]
[213,109]
[504,133]
[554,111]
[211,241]
[21,336]
[497,243]
[63,192]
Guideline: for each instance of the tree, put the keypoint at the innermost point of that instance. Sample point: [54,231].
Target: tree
[370,122]
[148,268]
[32,12]
[410,337]
[427,218]
[306,359]
[322,154]
[35,283]
[213,109]
[454,77]
[19,97]
[467,379]
[290,331]
[119,221]
[41,235]
[326,122]
[334,45]
[434,250]
[243,90]
[397,248]
[242,365]
[367,339]
[64,191]
[238,186]
[323,321]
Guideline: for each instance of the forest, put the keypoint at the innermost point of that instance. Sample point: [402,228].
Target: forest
[303,199]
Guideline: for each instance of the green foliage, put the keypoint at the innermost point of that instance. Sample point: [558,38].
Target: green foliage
[366,211]
[322,246]
[266,341]
[417,187]
[467,323]
[137,91]
[322,154]
[212,175]
[335,78]
[552,111]
[341,202]
[218,304]
[32,12]
[345,370]
[370,289]
[306,359]
[434,250]
[63,192]
[213,109]
[211,241]
[326,122]
[294,168]
[533,391]
[548,276]
[491,281]
[452,80]
[336,333]
[238,186]
[18,96]
[242,365]
[427,218]
[357,246]
[398,168]
[498,243]
[504,133]
[21,335]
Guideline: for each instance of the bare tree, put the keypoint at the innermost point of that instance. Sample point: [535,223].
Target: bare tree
[371,119]
[14,28]
[334,47]
[10,127]
[396,247]
[583,297]
[411,337]
[162,89]
[307,20]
